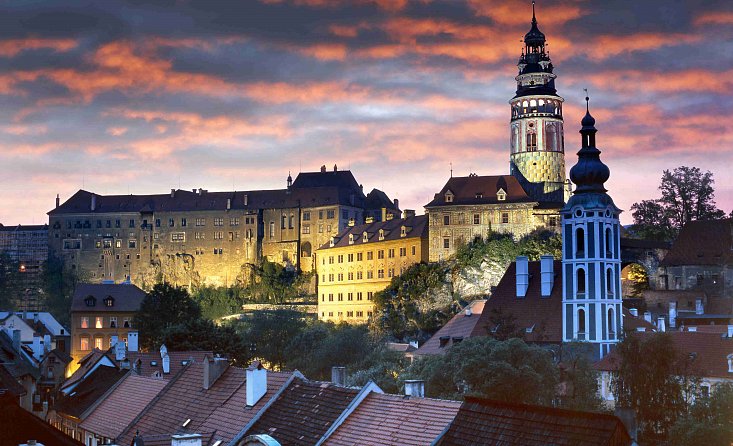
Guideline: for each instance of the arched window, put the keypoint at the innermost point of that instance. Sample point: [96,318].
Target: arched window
[531,141]
[609,281]
[581,323]
[609,243]
[580,282]
[551,137]
[579,242]
[611,323]
[305,249]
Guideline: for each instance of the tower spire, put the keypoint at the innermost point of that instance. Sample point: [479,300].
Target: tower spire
[589,173]
[534,19]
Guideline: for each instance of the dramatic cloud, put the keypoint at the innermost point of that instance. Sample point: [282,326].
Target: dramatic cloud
[140,97]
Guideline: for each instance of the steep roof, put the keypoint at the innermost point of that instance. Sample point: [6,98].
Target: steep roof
[325,178]
[127,297]
[151,362]
[416,226]
[18,426]
[83,396]
[86,364]
[460,326]
[543,315]
[8,383]
[13,361]
[376,199]
[481,421]
[475,189]
[394,419]
[22,228]
[707,242]
[303,412]
[125,402]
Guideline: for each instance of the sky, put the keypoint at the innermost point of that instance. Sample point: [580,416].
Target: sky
[143,96]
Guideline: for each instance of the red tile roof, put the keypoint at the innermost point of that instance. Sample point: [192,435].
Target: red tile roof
[487,422]
[634,323]
[303,412]
[394,420]
[178,360]
[459,326]
[476,189]
[121,406]
[89,391]
[708,242]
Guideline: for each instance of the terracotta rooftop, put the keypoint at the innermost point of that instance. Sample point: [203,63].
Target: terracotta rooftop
[303,412]
[126,297]
[460,326]
[634,323]
[488,422]
[708,242]
[83,396]
[152,364]
[122,405]
[475,189]
[394,420]
[415,227]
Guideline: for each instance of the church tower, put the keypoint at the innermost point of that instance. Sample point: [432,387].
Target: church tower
[591,258]
[536,139]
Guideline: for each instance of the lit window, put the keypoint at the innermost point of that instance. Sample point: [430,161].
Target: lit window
[99,342]
[84,322]
[98,322]
[84,343]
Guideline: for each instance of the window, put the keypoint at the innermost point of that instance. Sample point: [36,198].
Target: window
[219,221]
[477,219]
[579,242]
[380,274]
[98,322]
[291,221]
[99,342]
[306,229]
[330,213]
[505,217]
[272,229]
[552,221]
[341,258]
[126,322]
[341,277]
[730,363]
[330,260]
[370,295]
[84,343]
[359,314]
[446,220]
[199,235]
[359,275]
[283,221]
[113,322]
[609,243]
[403,252]
[108,243]
[200,222]
[350,258]
[365,237]
[390,272]
[132,223]
[381,234]
[380,254]
[370,255]
[132,244]
[320,229]
[109,301]
[580,285]
[184,222]
[449,197]
[370,274]
[414,250]
[234,221]
[390,253]
[581,323]
[446,243]
[84,323]
[178,236]
[611,322]
[531,141]
[98,244]
[306,216]
[341,297]
[501,195]
[349,314]
[320,215]
[350,296]
[330,297]
[359,256]
[609,281]
[330,277]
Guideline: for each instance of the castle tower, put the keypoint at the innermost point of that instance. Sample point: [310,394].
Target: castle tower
[536,140]
[591,259]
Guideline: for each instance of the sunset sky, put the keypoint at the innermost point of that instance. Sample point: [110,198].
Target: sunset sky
[144,96]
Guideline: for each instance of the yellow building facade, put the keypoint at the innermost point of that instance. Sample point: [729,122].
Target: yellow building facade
[362,260]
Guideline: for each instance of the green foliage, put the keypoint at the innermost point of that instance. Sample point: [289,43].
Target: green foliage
[489,368]
[270,332]
[709,421]
[503,249]
[217,302]
[382,366]
[164,307]
[10,281]
[58,285]
[687,195]
[579,379]
[275,283]
[203,334]
[506,325]
[652,380]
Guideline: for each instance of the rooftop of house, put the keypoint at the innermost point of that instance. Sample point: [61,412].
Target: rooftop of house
[42,322]
[376,199]
[707,352]
[394,419]
[84,395]
[303,412]
[475,189]
[18,426]
[706,242]
[481,421]
[87,364]
[9,384]
[23,228]
[151,363]
[96,297]
[14,361]
[461,326]
[122,405]
[390,230]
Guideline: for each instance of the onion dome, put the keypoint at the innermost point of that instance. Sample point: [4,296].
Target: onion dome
[589,173]
[534,37]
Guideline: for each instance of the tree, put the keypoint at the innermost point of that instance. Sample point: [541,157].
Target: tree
[579,379]
[217,302]
[488,368]
[709,420]
[506,325]
[203,334]
[654,381]
[164,307]
[58,285]
[270,332]
[276,283]
[10,281]
[687,195]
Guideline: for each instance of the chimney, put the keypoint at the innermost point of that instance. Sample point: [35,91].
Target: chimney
[672,314]
[408,213]
[132,338]
[522,275]
[648,316]
[323,168]
[46,343]
[58,200]
[186,440]
[246,200]
[213,369]
[634,312]
[94,203]
[256,383]
[547,273]
[35,318]
[699,309]
[396,203]
[120,351]
[660,324]
[229,203]
[338,375]
[166,360]
[469,312]
[730,331]
[335,168]
[16,340]
[415,387]
[37,347]
[173,193]
[384,214]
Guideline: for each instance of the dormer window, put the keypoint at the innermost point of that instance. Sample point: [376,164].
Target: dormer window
[501,194]
[381,234]
[109,301]
[449,197]
[332,242]
[351,239]
[479,195]
[365,237]
[90,301]
[403,231]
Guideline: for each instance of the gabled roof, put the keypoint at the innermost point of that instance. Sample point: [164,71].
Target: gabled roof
[334,178]
[83,396]
[394,420]
[127,297]
[151,362]
[707,242]
[87,363]
[460,326]
[416,226]
[18,426]
[8,383]
[481,421]
[475,189]
[303,412]
[122,405]
[14,362]
[376,199]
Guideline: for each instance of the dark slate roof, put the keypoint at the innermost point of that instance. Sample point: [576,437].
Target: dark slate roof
[8,383]
[86,364]
[18,426]
[475,189]
[21,228]
[89,391]
[303,412]
[481,421]
[13,361]
[127,297]
[376,199]
[338,178]
[460,326]
[415,227]
[542,313]
[708,242]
